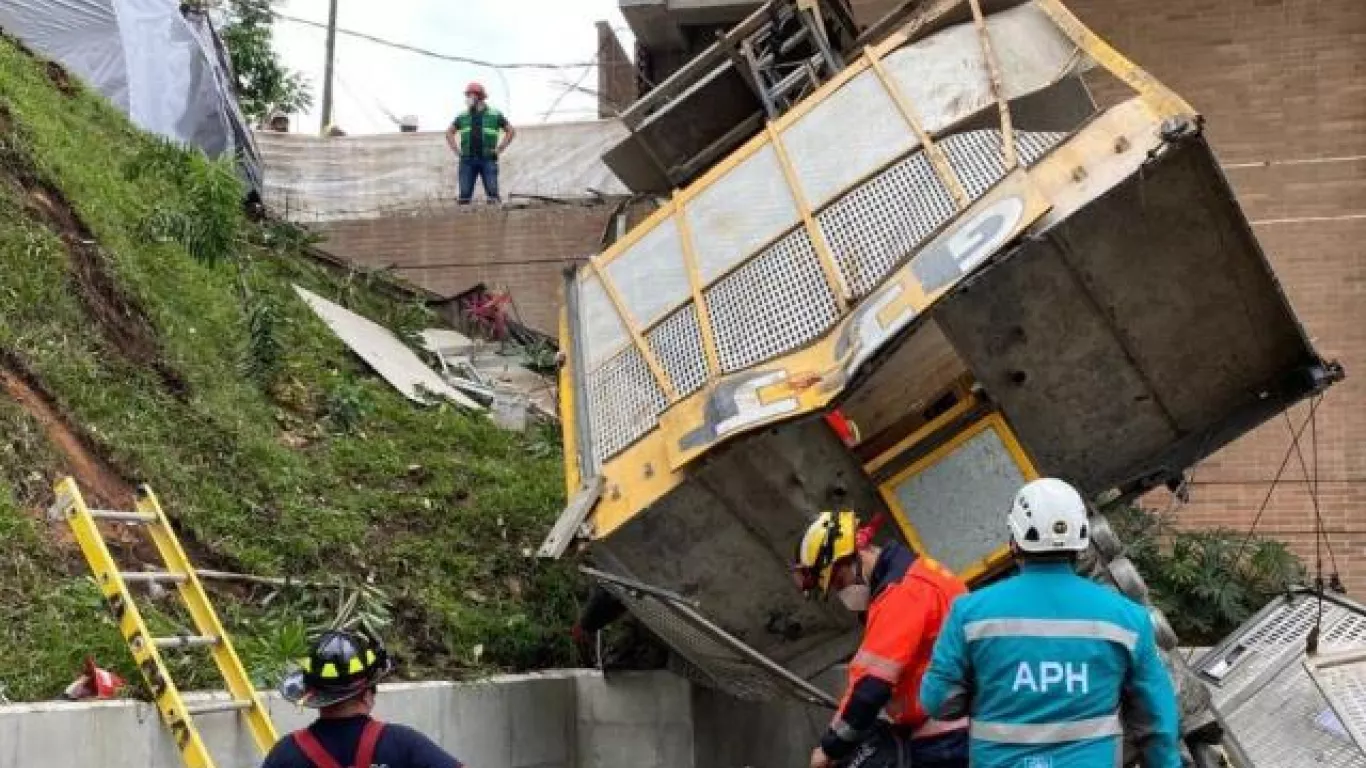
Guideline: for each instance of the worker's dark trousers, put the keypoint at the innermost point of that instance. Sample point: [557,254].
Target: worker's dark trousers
[893,748]
[485,168]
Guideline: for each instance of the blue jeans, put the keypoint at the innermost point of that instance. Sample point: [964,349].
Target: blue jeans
[485,168]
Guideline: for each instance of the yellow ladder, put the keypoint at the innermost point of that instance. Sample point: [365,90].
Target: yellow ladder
[146,648]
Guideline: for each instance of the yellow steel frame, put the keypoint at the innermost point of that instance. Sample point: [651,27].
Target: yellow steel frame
[1008,154]
[139,638]
[942,168]
[698,299]
[827,259]
[959,409]
[636,473]
[994,422]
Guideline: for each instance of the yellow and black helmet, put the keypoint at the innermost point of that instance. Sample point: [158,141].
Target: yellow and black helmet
[829,540]
[339,666]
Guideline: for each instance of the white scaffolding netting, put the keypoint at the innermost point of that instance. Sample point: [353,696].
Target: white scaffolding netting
[312,179]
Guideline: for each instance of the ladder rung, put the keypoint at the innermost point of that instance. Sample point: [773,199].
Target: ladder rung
[153,576]
[184,641]
[123,517]
[210,707]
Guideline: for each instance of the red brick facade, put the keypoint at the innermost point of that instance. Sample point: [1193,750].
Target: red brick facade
[450,250]
[1281,82]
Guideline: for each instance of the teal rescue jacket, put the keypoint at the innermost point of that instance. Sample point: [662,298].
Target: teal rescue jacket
[1041,662]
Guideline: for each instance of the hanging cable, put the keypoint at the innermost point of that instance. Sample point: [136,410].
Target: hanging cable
[568,90]
[1266,501]
[434,54]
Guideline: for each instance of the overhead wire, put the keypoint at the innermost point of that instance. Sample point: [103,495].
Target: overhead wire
[568,90]
[433,54]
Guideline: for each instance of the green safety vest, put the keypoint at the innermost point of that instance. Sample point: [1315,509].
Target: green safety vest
[465,124]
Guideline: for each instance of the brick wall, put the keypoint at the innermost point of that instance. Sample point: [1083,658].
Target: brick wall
[1280,81]
[616,74]
[523,250]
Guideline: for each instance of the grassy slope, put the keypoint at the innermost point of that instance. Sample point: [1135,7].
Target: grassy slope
[435,506]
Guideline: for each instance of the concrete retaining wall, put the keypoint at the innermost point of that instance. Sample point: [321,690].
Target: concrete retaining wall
[572,719]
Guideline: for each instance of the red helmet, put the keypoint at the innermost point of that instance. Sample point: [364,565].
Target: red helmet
[477,89]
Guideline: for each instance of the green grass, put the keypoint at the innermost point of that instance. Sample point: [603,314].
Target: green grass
[281,455]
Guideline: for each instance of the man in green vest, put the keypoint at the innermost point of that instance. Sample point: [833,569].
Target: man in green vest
[478,135]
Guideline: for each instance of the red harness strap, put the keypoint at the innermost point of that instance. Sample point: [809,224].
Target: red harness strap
[316,754]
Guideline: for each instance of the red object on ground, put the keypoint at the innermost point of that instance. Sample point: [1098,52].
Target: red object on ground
[95,683]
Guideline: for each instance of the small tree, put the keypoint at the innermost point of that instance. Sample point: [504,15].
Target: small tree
[1206,582]
[263,83]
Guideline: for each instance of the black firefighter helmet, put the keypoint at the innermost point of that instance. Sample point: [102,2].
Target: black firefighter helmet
[340,666]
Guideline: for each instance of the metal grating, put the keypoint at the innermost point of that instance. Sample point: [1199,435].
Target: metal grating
[976,155]
[1341,679]
[776,302]
[1269,702]
[677,343]
[878,224]
[624,401]
[720,659]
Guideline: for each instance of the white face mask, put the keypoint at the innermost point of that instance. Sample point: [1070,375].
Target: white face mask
[855,597]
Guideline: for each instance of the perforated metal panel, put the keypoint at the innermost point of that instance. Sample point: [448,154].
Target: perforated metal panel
[955,504]
[1341,679]
[1267,698]
[775,303]
[862,121]
[650,275]
[718,659]
[624,400]
[874,227]
[677,343]
[747,207]
[976,155]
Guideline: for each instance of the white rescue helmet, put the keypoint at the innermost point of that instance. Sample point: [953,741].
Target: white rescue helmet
[1049,515]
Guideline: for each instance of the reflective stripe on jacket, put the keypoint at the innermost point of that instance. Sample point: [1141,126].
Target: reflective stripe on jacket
[1041,661]
[490,120]
[911,597]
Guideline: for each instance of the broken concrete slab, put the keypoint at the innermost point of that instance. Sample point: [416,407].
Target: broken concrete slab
[385,353]
[485,369]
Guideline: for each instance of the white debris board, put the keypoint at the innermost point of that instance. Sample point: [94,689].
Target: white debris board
[382,351]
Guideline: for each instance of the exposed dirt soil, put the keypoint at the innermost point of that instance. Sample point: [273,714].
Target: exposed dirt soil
[103,486]
[121,320]
[59,77]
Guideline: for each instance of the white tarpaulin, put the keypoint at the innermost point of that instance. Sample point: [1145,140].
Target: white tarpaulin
[166,70]
[313,178]
[381,350]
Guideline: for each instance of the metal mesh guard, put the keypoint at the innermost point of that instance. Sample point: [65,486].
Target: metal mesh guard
[726,663]
[624,400]
[775,302]
[1342,680]
[1269,701]
[677,342]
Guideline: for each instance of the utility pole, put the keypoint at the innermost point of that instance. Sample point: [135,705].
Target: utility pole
[327,66]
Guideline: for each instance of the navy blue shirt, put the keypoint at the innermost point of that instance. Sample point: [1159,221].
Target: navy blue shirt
[399,746]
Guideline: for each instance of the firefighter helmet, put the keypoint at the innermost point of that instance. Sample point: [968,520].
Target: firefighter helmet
[339,666]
